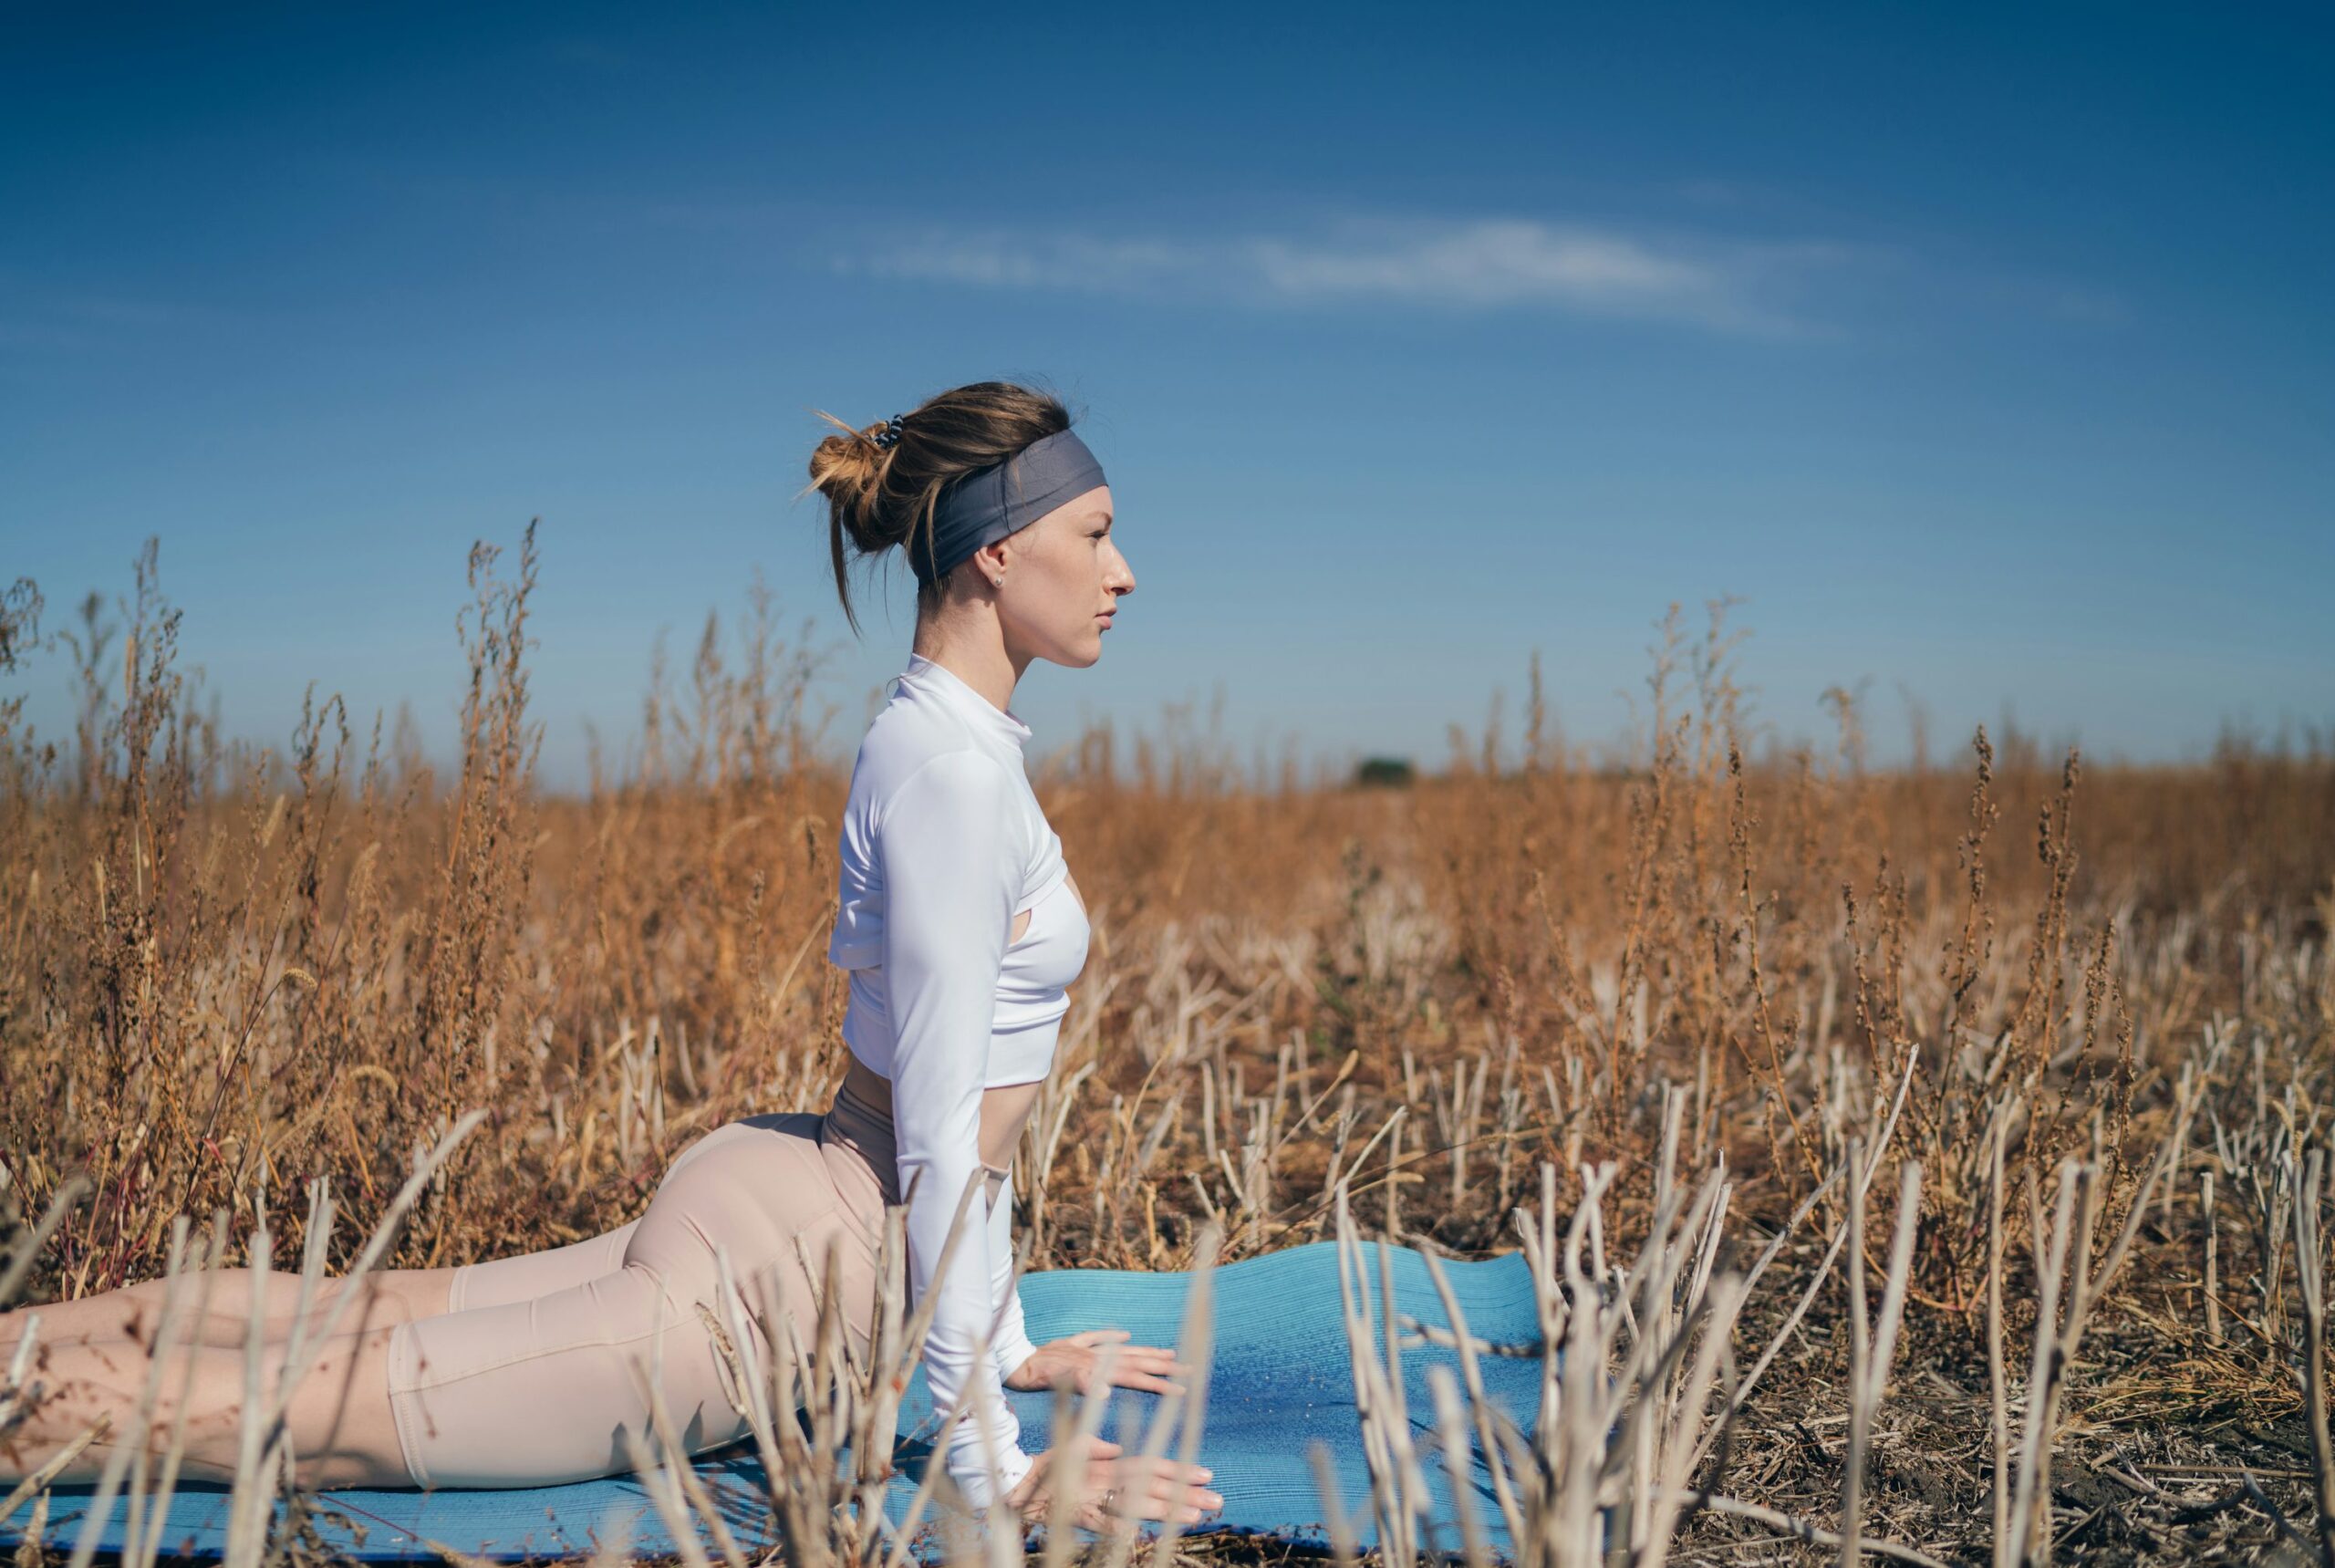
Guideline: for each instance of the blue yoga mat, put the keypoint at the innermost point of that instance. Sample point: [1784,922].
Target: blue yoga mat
[1282,1376]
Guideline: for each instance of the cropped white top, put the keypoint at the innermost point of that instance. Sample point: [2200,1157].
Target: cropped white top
[943,846]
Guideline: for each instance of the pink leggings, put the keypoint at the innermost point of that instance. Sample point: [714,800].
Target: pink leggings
[523,1381]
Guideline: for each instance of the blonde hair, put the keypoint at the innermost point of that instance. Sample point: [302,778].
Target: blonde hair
[881,496]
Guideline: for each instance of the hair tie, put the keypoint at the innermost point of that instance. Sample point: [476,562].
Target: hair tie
[889,436]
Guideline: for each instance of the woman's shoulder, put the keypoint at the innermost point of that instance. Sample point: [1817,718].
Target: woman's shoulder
[905,740]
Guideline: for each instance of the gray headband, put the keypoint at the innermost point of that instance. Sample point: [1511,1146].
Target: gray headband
[989,503]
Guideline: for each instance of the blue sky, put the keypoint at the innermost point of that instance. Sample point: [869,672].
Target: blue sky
[1984,352]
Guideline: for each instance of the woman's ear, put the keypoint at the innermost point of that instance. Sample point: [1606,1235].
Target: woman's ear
[991,559]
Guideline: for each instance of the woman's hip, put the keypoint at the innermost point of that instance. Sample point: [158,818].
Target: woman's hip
[540,1388]
[772,1191]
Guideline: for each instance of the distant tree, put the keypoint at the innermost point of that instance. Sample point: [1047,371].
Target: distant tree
[1390,772]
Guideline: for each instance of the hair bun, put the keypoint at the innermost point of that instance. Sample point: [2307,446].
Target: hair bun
[845,469]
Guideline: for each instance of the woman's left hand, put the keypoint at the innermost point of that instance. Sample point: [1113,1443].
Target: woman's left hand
[1145,1366]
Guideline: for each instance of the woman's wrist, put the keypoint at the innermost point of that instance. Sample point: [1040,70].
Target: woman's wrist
[973,1478]
[1010,1352]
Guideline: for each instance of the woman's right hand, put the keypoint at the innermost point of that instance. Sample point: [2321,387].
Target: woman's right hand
[1136,1489]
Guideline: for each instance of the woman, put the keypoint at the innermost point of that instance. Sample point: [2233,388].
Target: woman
[961,926]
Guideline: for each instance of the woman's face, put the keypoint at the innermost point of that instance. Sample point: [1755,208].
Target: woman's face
[1064,577]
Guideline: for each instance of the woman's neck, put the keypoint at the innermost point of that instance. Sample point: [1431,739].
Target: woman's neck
[988,669]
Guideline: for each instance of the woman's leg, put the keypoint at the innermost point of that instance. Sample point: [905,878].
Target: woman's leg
[393,1296]
[541,1391]
[526,1392]
[537,1393]
[507,1381]
[342,1430]
[134,1312]
[525,1275]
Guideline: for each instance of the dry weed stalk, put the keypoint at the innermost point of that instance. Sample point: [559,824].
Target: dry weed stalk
[2310,1271]
[1631,1359]
[2071,1281]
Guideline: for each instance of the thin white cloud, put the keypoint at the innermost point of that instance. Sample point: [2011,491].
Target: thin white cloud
[1488,264]
[1470,265]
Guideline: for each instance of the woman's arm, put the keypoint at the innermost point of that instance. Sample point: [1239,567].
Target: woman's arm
[1010,1346]
[952,873]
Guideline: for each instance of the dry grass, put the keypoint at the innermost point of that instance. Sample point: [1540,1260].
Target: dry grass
[1924,1161]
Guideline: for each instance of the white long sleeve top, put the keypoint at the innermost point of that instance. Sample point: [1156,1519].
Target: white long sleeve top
[943,845]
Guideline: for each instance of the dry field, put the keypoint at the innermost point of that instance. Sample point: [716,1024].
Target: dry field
[1932,1155]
